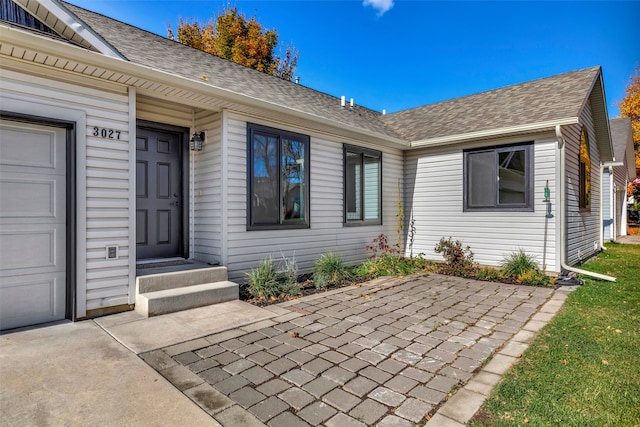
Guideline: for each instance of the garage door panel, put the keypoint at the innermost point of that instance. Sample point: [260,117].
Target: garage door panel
[43,294]
[33,231]
[37,248]
[39,147]
[25,198]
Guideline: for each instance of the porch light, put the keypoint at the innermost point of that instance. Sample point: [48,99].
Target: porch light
[195,144]
[547,193]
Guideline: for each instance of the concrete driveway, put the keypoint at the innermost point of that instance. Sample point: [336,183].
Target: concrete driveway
[390,352]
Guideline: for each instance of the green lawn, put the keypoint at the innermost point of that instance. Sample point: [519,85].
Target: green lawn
[583,368]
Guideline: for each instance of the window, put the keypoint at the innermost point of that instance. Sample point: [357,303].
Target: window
[585,172]
[499,178]
[362,186]
[278,178]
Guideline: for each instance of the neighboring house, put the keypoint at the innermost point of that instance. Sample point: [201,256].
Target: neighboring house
[616,176]
[97,174]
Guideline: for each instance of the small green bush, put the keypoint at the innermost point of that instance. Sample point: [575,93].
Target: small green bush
[386,265]
[328,270]
[459,259]
[263,281]
[523,267]
[271,280]
[488,273]
[518,262]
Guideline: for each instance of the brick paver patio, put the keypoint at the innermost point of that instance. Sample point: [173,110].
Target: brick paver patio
[388,353]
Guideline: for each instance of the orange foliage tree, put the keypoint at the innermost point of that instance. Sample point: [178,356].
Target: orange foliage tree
[232,36]
[630,107]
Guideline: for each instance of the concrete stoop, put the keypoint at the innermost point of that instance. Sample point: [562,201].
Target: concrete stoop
[182,290]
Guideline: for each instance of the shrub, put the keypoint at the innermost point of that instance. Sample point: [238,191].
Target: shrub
[517,263]
[263,281]
[488,273]
[459,259]
[271,280]
[523,267]
[380,245]
[386,265]
[329,269]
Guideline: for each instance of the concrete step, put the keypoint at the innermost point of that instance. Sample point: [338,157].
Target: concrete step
[179,279]
[177,299]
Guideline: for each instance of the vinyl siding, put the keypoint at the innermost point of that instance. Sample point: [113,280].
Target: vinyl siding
[207,190]
[608,215]
[434,196]
[327,232]
[583,228]
[107,175]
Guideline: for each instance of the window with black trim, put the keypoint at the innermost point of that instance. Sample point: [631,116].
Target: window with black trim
[499,178]
[278,178]
[585,171]
[362,186]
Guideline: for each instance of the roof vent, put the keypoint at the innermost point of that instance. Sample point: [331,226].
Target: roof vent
[297,79]
[343,101]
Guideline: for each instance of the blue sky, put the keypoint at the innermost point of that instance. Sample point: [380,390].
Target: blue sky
[399,54]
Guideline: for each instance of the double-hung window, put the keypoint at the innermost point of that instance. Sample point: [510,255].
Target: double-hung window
[499,178]
[362,186]
[278,178]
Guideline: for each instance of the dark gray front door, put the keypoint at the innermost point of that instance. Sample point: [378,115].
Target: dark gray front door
[159,193]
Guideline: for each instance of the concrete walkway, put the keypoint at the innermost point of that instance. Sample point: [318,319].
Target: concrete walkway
[393,352]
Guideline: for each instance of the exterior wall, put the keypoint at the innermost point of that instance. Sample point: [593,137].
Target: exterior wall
[620,183]
[608,211]
[583,228]
[245,249]
[434,196]
[207,192]
[103,180]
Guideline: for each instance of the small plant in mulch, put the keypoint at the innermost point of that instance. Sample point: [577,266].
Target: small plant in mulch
[329,270]
[522,268]
[272,280]
[459,258]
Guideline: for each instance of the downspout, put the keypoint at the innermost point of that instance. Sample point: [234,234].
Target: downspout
[563,215]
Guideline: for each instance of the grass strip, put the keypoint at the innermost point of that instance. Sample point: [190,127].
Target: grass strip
[583,368]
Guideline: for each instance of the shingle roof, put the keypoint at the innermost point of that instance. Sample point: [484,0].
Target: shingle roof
[552,98]
[145,48]
[622,141]
[544,100]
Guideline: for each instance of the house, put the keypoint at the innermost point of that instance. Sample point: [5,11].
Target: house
[120,147]
[616,177]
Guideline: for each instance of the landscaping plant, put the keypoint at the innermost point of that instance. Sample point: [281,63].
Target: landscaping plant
[272,279]
[459,259]
[523,268]
[329,270]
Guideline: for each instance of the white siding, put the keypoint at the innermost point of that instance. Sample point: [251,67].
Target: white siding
[607,205]
[107,177]
[434,196]
[583,228]
[327,232]
[207,191]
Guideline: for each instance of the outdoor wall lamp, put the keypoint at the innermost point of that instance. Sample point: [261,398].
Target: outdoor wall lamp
[195,144]
[547,200]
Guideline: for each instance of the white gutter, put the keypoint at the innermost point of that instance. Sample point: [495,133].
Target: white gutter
[563,215]
[491,133]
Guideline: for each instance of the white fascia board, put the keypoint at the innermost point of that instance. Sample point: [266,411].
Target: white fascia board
[54,47]
[71,21]
[493,133]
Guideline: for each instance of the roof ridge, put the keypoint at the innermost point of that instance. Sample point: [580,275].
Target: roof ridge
[515,85]
[229,61]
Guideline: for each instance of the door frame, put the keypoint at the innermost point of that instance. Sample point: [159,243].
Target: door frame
[70,203]
[183,134]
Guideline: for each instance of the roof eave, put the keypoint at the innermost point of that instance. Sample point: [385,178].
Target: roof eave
[55,47]
[494,133]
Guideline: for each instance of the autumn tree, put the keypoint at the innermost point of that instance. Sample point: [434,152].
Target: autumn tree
[630,107]
[232,36]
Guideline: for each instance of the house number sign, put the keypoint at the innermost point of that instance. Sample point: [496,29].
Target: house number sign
[106,133]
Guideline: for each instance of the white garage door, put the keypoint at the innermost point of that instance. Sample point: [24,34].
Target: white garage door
[32,224]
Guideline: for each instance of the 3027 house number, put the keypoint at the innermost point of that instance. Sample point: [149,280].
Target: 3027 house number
[106,133]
